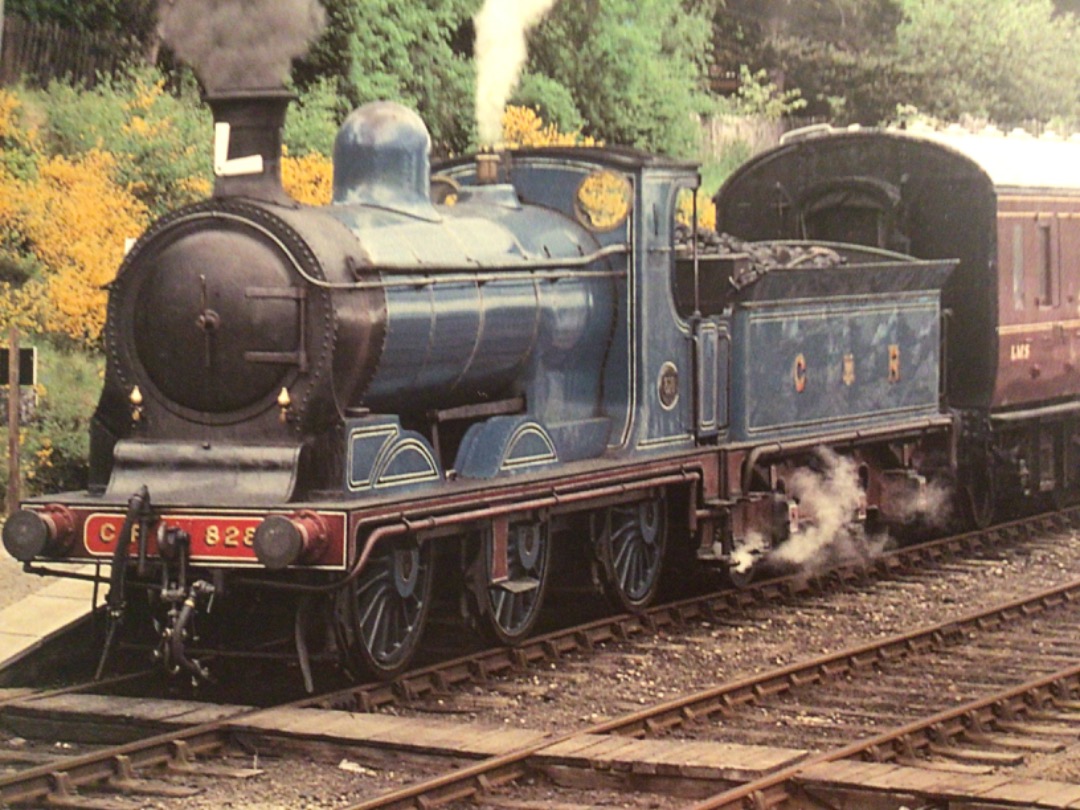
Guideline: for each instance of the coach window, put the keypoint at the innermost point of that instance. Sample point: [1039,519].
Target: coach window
[858,210]
[1018,265]
[1047,265]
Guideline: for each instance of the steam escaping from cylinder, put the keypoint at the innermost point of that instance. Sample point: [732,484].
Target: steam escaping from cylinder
[240,44]
[829,497]
[930,504]
[501,27]
[753,547]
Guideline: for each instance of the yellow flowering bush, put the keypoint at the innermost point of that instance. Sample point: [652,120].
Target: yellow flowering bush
[162,148]
[523,128]
[309,178]
[18,142]
[159,138]
[21,303]
[76,219]
[23,306]
[62,229]
[13,131]
[706,209]
[9,108]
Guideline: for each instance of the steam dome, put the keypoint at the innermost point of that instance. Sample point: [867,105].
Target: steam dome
[381,159]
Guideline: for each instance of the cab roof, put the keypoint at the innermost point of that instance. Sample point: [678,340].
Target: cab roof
[1016,160]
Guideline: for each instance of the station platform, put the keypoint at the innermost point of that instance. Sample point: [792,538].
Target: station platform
[28,624]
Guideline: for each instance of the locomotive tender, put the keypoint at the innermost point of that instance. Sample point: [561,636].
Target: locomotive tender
[1007,207]
[468,383]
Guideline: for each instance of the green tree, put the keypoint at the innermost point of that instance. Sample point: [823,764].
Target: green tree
[132,18]
[839,53]
[856,60]
[845,84]
[851,23]
[634,68]
[416,53]
[630,72]
[1009,60]
[553,101]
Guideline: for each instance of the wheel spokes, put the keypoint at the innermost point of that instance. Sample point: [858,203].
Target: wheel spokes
[514,604]
[632,547]
[389,605]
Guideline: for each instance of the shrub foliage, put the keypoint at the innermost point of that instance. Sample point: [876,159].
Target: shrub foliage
[55,442]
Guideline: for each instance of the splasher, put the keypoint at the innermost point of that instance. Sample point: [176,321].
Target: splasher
[240,44]
[501,27]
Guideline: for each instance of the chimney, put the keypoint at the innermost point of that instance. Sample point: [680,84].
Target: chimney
[487,168]
[247,143]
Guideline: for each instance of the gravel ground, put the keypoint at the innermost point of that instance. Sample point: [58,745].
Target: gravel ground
[624,677]
[1063,767]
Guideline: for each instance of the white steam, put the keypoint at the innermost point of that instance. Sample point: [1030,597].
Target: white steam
[828,500]
[748,552]
[501,51]
[929,503]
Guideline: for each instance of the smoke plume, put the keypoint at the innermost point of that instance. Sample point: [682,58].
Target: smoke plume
[501,27]
[240,44]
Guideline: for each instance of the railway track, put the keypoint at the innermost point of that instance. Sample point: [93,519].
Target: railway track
[180,749]
[726,605]
[1040,713]
[947,733]
[478,666]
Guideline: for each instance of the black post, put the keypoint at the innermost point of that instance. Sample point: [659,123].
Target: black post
[13,421]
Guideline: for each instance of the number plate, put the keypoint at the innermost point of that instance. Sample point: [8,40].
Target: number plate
[212,537]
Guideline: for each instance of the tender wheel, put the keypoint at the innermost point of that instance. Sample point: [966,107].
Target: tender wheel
[384,609]
[630,543]
[509,608]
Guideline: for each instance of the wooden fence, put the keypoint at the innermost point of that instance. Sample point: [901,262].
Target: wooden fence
[41,52]
[720,132]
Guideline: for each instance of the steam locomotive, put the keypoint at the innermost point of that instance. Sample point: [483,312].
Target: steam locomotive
[474,381]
